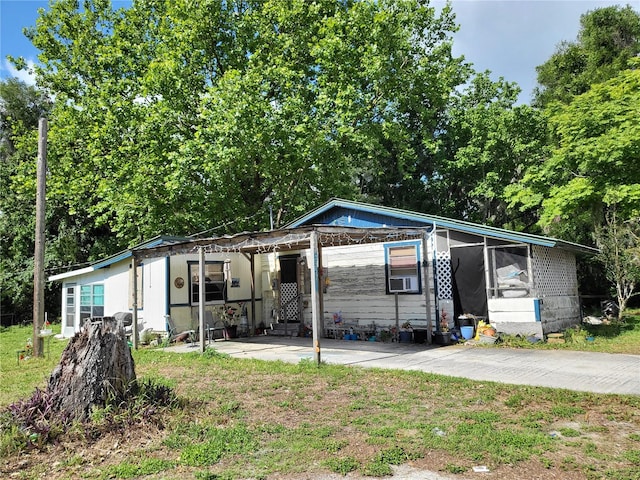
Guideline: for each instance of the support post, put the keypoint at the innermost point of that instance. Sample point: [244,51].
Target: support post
[253,293]
[427,284]
[201,296]
[397,335]
[38,257]
[134,302]
[316,314]
[252,325]
[322,285]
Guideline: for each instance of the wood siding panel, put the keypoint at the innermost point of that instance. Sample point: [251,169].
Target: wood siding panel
[357,288]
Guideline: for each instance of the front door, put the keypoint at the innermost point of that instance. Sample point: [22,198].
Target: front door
[69,326]
[289,288]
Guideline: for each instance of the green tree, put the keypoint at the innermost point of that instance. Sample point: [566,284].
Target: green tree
[205,110]
[488,144]
[619,244]
[593,165]
[71,238]
[21,106]
[335,101]
[608,40]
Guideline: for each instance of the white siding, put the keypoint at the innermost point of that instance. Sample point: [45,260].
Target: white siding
[514,316]
[116,291]
[357,288]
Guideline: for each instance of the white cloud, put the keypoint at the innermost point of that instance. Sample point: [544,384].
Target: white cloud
[27,75]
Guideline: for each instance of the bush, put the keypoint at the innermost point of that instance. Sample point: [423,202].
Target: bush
[33,423]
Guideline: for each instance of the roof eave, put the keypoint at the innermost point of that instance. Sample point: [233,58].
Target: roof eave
[459,225]
[70,274]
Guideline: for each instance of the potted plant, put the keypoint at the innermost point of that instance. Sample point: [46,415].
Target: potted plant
[385,335]
[406,333]
[443,335]
[229,317]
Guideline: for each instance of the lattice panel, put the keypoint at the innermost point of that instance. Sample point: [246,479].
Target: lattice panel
[288,294]
[554,272]
[443,275]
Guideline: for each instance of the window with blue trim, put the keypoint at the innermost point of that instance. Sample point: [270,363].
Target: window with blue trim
[403,267]
[91,301]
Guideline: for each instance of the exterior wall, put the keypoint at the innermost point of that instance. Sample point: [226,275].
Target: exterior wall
[159,294]
[179,305]
[556,283]
[357,288]
[515,315]
[116,281]
[559,313]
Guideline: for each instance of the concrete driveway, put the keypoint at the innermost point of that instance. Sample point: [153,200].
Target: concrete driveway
[581,371]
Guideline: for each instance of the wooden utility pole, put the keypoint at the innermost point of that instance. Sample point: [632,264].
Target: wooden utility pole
[38,257]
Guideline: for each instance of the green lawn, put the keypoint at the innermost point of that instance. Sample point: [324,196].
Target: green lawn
[241,418]
[623,337]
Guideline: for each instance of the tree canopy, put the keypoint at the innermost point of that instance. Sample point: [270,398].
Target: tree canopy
[608,40]
[21,106]
[596,151]
[488,145]
[213,110]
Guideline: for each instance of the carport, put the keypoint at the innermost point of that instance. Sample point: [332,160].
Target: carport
[313,238]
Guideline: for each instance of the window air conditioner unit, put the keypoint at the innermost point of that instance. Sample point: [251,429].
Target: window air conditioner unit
[403,284]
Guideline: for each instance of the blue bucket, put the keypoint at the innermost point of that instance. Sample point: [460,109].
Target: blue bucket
[467,332]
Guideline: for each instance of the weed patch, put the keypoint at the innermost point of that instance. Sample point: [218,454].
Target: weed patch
[219,441]
[342,465]
[147,466]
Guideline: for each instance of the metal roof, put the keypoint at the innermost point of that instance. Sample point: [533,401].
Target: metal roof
[436,221]
[118,257]
[296,235]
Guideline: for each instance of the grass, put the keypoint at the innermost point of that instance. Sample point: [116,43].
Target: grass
[617,337]
[19,380]
[244,418]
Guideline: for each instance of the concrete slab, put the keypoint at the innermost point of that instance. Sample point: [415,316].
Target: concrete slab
[580,371]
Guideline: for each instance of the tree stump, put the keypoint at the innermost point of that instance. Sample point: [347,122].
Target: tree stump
[95,367]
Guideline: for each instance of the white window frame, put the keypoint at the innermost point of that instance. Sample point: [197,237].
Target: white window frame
[193,268]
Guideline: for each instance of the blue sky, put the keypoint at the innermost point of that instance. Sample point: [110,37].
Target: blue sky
[508,37]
